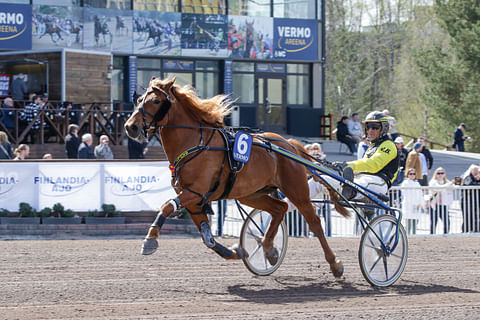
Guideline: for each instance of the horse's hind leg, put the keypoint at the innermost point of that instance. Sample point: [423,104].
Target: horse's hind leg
[277,209]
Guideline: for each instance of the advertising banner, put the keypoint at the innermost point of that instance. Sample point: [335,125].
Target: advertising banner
[108,30]
[77,189]
[204,35]
[137,188]
[250,37]
[57,26]
[295,39]
[16,185]
[157,32]
[15,26]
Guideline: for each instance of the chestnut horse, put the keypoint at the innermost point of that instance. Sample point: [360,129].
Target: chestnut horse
[190,133]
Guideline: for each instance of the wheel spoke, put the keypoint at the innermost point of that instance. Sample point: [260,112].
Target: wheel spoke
[254,252]
[385,265]
[250,232]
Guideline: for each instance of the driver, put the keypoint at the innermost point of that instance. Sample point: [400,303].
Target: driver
[378,168]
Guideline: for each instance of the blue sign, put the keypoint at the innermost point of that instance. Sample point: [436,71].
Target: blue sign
[295,39]
[271,67]
[228,78]
[132,76]
[242,146]
[15,26]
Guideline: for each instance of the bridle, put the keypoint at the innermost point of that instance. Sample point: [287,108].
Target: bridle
[159,115]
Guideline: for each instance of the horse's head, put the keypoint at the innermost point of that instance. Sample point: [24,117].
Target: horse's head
[152,107]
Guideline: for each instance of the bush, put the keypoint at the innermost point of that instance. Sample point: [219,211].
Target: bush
[4,212]
[110,210]
[68,213]
[45,212]
[58,210]
[26,210]
[93,213]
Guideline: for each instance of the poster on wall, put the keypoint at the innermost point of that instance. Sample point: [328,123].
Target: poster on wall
[56,26]
[295,39]
[15,26]
[204,35]
[16,183]
[77,189]
[137,188]
[4,84]
[250,37]
[108,30]
[156,32]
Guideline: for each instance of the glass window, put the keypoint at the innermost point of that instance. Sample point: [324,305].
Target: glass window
[207,65]
[206,84]
[117,84]
[303,9]
[156,5]
[20,1]
[249,7]
[298,88]
[297,68]
[53,2]
[243,88]
[144,77]
[243,66]
[203,6]
[149,63]
[110,4]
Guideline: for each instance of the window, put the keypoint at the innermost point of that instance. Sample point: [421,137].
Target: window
[156,5]
[206,84]
[303,9]
[298,84]
[243,88]
[249,7]
[203,6]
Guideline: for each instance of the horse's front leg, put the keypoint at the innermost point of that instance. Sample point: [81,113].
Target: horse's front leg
[201,221]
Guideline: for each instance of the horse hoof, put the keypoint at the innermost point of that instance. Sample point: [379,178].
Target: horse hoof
[337,269]
[239,251]
[272,256]
[150,245]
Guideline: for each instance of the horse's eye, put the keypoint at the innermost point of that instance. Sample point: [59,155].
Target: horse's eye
[156,101]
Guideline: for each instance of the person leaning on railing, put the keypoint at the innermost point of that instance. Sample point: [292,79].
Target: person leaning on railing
[31,111]
[6,152]
[470,202]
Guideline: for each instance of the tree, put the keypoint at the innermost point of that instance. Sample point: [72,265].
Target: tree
[452,71]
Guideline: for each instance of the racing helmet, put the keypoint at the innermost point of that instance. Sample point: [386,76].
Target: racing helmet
[380,118]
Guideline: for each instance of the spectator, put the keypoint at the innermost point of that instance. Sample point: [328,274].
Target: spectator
[19,87]
[72,142]
[414,161]
[362,147]
[355,129]
[69,111]
[47,156]
[316,151]
[440,200]
[403,154]
[21,152]
[427,154]
[7,114]
[103,151]
[30,116]
[392,131]
[470,202]
[136,150]
[44,100]
[84,150]
[412,201]
[6,152]
[343,136]
[459,138]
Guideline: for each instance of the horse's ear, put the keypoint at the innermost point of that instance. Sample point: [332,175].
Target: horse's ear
[153,78]
[170,83]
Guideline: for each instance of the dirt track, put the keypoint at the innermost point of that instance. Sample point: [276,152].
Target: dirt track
[109,279]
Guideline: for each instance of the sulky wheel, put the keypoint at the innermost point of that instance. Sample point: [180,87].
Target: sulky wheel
[379,267]
[251,242]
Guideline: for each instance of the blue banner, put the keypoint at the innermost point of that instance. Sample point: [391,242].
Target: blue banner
[15,26]
[295,39]
[132,76]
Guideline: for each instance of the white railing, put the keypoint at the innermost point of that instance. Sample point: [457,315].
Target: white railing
[463,214]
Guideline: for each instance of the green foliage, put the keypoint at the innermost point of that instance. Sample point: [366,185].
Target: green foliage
[58,209]
[68,213]
[4,212]
[26,210]
[110,211]
[94,213]
[45,212]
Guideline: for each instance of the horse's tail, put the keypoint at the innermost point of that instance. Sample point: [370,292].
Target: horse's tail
[301,151]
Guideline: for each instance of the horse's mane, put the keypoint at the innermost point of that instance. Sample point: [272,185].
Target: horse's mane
[211,111]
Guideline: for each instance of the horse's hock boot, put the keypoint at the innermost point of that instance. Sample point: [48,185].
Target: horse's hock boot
[150,245]
[348,192]
[272,256]
[337,268]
